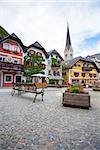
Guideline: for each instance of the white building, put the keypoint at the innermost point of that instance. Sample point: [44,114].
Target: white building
[55,67]
[51,60]
[37,49]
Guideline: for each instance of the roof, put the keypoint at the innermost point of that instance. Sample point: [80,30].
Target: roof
[95,56]
[68,39]
[75,60]
[14,37]
[55,52]
[39,46]
[36,44]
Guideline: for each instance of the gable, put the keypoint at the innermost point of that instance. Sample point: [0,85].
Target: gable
[12,46]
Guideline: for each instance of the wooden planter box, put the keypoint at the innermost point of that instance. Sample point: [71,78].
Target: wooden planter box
[76,100]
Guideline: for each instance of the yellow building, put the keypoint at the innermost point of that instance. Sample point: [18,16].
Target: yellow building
[82,71]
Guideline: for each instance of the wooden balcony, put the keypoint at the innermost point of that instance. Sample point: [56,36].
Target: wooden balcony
[87,68]
[11,66]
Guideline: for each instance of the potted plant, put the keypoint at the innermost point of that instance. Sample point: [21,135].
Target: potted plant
[76,97]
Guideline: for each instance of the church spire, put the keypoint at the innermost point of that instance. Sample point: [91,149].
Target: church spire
[68,39]
[68,52]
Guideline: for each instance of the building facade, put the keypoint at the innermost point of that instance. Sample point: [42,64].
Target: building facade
[82,71]
[96,59]
[11,60]
[55,67]
[68,52]
[39,56]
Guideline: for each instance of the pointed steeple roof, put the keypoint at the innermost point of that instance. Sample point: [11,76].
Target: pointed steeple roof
[68,39]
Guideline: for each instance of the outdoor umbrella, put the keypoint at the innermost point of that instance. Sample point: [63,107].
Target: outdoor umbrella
[39,75]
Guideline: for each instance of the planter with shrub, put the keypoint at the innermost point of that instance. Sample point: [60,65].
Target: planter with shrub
[76,97]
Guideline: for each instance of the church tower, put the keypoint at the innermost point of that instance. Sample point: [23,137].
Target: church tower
[68,52]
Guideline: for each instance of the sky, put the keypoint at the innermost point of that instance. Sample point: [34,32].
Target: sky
[45,21]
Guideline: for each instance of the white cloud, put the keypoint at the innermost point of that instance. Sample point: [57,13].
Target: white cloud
[47,23]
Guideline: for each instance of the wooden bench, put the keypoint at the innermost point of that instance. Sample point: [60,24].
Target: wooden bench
[37,88]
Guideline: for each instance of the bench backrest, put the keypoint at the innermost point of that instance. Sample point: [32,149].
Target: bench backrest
[31,86]
[41,85]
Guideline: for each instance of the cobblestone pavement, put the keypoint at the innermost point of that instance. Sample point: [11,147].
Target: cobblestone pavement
[48,125]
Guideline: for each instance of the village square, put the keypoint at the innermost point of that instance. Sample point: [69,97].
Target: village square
[49,99]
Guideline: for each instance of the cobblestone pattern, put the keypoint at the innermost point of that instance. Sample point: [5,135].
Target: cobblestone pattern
[48,125]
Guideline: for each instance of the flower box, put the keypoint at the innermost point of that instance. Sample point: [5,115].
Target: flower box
[76,99]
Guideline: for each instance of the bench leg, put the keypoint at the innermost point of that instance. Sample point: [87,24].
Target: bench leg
[19,92]
[35,98]
[13,92]
[42,96]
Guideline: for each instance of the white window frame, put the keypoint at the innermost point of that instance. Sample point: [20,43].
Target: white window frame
[13,48]
[14,59]
[2,58]
[16,48]
[6,76]
[15,77]
[6,44]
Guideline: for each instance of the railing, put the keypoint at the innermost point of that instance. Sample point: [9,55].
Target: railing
[11,66]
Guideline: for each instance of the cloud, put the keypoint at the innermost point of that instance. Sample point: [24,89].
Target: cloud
[46,22]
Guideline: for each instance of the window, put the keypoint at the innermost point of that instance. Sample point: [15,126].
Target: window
[13,48]
[71,55]
[58,73]
[18,78]
[94,75]
[39,54]
[0,59]
[76,74]
[16,49]
[15,61]
[56,56]
[54,73]
[83,74]
[79,65]
[3,59]
[90,75]
[6,46]
[8,78]
[85,65]
[32,52]
[82,81]
[49,72]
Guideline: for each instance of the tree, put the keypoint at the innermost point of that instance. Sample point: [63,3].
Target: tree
[33,64]
[64,72]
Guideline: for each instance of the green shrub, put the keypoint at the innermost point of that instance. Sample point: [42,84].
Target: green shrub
[74,89]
